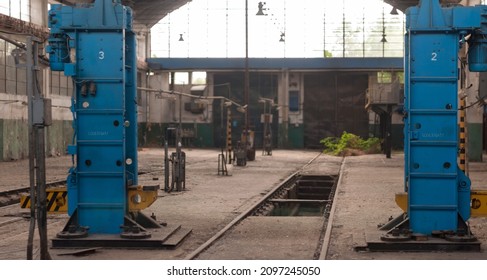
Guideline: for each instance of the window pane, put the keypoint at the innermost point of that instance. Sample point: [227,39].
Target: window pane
[15,9]
[384,77]
[199,78]
[294,101]
[25,10]
[4,7]
[311,28]
[181,78]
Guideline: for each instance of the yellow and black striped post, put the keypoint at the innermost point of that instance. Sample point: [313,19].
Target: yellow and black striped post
[229,135]
[462,144]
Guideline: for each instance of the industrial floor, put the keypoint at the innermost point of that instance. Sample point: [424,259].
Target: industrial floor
[364,198]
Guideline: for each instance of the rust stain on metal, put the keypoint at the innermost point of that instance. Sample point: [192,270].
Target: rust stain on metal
[20,26]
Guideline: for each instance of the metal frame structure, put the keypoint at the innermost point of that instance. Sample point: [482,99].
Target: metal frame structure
[439,192]
[439,199]
[96,46]
[257,63]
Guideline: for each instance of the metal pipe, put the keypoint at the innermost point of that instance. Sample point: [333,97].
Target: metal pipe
[166,165]
[462,146]
[166,160]
[229,135]
[40,157]
[42,196]
[178,147]
[30,89]
[37,156]
[246,77]
[172,92]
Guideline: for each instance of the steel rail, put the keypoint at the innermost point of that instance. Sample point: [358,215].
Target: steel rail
[246,213]
[17,191]
[326,238]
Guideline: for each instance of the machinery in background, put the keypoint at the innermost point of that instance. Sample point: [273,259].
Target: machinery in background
[96,46]
[229,155]
[178,158]
[245,150]
[176,165]
[226,158]
[222,164]
[266,120]
[248,137]
[267,151]
[384,99]
[166,158]
[240,154]
[438,201]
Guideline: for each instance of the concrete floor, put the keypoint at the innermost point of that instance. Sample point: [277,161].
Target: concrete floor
[364,198]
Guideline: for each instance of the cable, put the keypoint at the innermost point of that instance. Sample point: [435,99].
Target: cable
[479,102]
[32,225]
[73,111]
[32,182]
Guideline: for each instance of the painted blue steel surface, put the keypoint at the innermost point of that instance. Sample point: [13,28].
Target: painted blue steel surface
[96,46]
[438,191]
[367,63]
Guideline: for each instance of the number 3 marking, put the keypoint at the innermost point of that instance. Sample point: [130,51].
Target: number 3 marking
[101,55]
[433,56]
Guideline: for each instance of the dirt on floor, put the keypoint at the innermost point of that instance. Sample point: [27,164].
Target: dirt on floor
[364,199]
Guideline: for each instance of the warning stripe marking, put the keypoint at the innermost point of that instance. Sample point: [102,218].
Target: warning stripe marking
[25,202]
[59,206]
[52,198]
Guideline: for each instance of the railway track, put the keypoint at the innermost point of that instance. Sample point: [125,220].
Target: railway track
[274,201]
[12,196]
[299,195]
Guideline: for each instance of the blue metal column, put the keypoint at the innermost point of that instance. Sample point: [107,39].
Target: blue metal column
[95,45]
[438,191]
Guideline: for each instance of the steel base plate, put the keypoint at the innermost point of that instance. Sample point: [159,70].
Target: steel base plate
[394,238]
[376,244]
[72,235]
[461,238]
[161,238]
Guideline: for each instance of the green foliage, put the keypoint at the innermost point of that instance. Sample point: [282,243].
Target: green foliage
[350,144]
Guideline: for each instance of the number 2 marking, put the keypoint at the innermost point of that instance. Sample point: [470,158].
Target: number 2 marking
[433,56]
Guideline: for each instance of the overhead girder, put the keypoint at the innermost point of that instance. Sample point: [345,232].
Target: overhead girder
[402,5]
[150,12]
[146,12]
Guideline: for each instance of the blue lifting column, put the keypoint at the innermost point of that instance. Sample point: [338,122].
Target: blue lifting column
[95,45]
[438,191]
